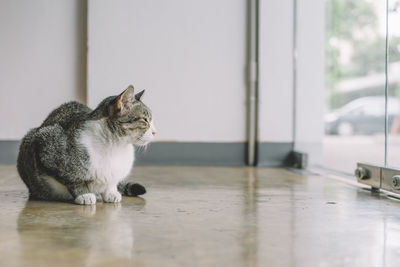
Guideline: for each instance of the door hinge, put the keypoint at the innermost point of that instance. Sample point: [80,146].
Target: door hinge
[378,177]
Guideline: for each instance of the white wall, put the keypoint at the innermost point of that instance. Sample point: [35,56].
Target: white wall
[188,55]
[310,79]
[276,75]
[276,71]
[41,61]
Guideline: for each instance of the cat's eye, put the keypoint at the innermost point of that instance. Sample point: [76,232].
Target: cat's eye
[146,120]
[131,120]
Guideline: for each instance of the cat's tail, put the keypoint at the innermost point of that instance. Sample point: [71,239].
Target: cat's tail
[131,189]
[40,185]
[27,161]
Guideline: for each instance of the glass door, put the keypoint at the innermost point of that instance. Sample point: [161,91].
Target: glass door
[393,141]
[355,81]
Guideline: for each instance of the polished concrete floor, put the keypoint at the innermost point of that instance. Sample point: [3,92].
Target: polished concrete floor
[197,216]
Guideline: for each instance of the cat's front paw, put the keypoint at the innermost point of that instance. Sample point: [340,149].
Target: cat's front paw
[86,199]
[111,196]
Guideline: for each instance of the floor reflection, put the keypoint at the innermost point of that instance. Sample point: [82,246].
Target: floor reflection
[83,232]
[249,238]
[390,240]
[207,217]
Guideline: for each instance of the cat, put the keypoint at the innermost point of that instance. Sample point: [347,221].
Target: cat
[82,155]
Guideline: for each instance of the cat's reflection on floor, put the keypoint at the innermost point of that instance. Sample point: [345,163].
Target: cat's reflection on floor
[84,234]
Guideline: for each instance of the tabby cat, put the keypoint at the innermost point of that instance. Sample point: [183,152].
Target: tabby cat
[83,155]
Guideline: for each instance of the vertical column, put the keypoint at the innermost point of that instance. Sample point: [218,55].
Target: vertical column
[310,79]
[275,82]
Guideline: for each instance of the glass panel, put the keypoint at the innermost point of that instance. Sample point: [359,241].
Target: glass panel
[355,83]
[393,158]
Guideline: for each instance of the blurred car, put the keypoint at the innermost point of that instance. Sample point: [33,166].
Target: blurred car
[365,115]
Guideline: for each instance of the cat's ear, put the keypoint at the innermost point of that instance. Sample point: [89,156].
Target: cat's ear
[139,96]
[126,98]
[124,101]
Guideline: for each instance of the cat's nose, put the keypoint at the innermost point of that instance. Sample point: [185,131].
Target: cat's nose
[153,128]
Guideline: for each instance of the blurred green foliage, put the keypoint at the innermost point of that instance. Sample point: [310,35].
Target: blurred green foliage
[354,24]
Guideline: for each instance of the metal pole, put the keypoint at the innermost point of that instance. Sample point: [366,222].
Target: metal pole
[294,62]
[252,109]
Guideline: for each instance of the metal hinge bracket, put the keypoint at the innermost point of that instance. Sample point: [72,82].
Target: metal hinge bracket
[378,177]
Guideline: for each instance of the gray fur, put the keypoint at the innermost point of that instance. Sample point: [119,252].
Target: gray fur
[52,149]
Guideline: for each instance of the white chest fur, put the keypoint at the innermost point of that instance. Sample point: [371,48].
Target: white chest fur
[110,162]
